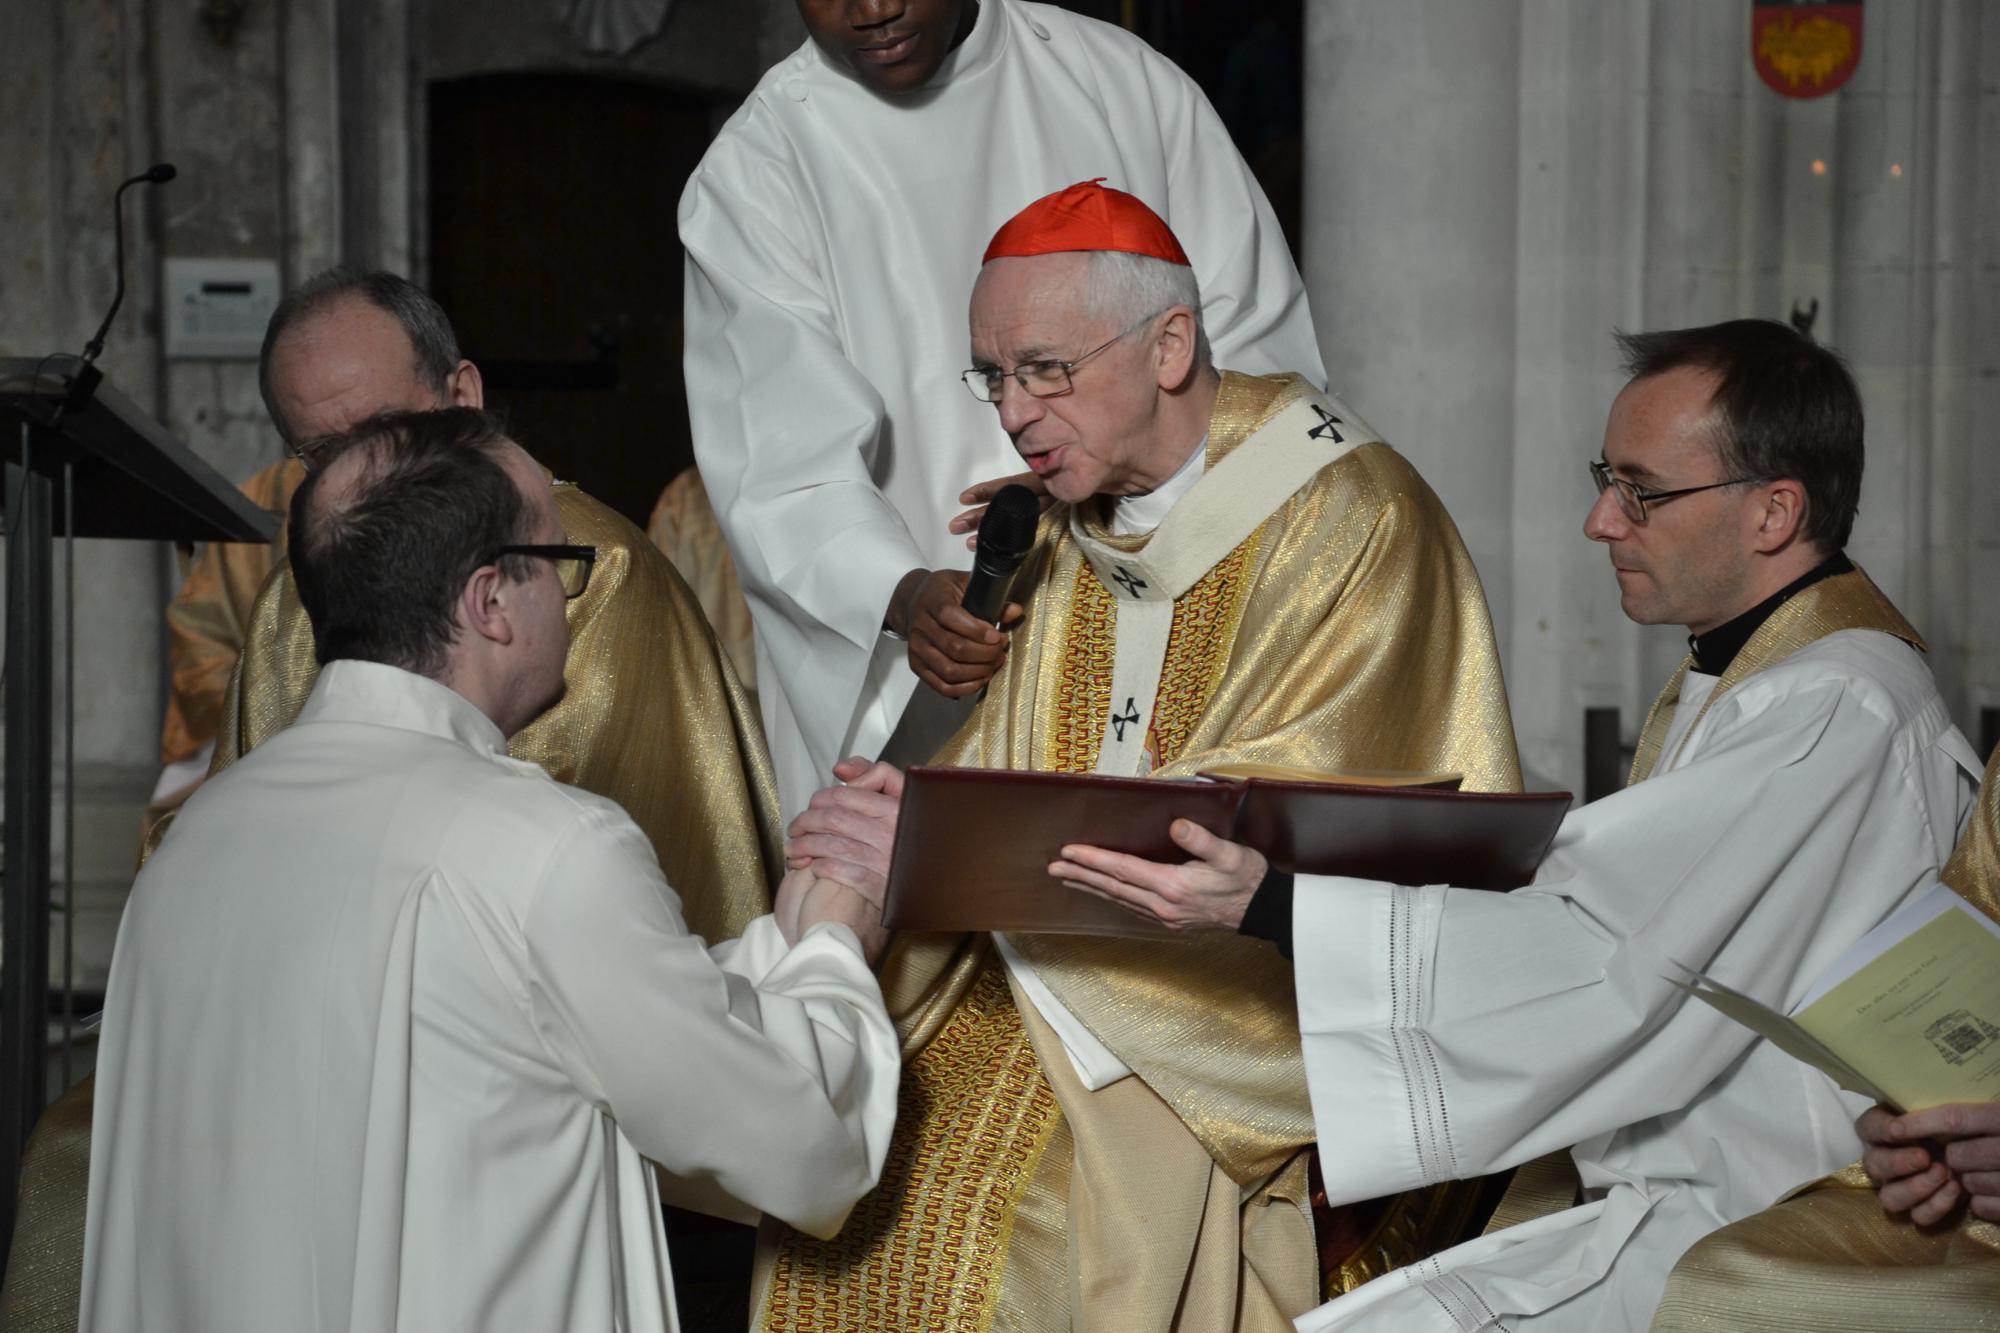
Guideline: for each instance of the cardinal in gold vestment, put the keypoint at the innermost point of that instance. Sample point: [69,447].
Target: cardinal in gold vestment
[1827,1256]
[1346,630]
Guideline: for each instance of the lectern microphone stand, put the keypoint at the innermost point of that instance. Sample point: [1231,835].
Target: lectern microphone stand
[76,465]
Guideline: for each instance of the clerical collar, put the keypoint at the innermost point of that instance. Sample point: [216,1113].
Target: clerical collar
[1134,514]
[1715,650]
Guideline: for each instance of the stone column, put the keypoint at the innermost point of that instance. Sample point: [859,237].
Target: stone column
[1409,239]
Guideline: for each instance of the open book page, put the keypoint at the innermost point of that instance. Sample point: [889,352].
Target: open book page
[1358,777]
[1783,1033]
[1922,1018]
[1909,1016]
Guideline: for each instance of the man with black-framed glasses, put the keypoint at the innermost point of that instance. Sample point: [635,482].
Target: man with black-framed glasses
[417,1060]
[1797,781]
[572,564]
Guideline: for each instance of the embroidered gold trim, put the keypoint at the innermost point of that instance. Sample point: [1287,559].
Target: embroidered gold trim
[1205,620]
[925,1249]
[1418,1224]
[1090,651]
[1204,626]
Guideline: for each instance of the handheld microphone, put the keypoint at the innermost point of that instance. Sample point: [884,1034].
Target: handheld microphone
[1006,535]
[88,375]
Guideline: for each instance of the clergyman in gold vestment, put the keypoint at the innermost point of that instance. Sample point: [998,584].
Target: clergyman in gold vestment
[653,717]
[1102,1134]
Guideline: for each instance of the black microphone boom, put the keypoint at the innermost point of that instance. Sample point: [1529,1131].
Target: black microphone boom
[85,382]
[1006,535]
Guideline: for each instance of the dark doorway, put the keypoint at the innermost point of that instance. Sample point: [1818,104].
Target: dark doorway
[1248,56]
[553,247]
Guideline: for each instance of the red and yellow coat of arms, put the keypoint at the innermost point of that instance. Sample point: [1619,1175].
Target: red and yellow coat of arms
[1805,48]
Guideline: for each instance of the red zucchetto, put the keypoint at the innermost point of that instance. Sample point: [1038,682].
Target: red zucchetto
[1086,216]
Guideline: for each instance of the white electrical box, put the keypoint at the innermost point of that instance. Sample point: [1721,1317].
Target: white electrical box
[217,308]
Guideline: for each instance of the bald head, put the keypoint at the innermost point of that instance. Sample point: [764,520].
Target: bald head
[346,347]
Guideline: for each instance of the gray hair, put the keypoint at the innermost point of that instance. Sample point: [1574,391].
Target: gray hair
[1130,288]
[423,319]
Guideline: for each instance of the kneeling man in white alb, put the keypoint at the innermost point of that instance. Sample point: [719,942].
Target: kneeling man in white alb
[396,1022]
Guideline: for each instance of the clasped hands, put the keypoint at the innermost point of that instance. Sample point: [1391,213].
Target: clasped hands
[844,837]
[1925,1163]
[837,856]
[837,852]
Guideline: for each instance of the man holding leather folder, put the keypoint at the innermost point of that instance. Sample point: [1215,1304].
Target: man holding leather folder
[1112,1130]
[1797,781]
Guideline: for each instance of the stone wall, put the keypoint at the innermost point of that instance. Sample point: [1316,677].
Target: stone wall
[1491,189]
[297,129]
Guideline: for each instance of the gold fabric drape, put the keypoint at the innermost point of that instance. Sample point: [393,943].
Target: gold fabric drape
[653,718]
[207,619]
[1348,631]
[1974,869]
[1826,1256]
[1844,601]
[684,526]
[44,1284]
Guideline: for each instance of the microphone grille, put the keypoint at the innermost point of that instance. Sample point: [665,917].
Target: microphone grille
[1010,520]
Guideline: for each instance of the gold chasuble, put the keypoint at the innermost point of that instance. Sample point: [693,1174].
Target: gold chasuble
[206,619]
[1826,1256]
[653,717]
[1308,602]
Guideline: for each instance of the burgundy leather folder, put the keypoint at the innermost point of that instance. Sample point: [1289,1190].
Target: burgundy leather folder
[973,845]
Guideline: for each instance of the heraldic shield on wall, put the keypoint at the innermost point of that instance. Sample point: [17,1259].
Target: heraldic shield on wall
[1805,48]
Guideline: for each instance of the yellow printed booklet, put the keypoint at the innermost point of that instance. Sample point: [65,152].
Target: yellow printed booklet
[1909,1016]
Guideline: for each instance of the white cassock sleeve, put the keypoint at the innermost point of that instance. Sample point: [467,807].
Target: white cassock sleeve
[769,1072]
[1451,1032]
[784,427]
[1253,305]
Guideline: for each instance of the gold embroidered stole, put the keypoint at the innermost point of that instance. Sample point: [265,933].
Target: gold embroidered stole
[925,1249]
[1226,994]
[1844,601]
[1974,869]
